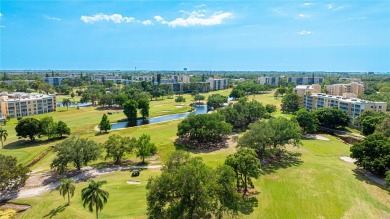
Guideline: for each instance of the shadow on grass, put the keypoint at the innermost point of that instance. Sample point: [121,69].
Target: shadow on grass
[194,147]
[285,160]
[20,144]
[361,177]
[102,133]
[248,203]
[55,211]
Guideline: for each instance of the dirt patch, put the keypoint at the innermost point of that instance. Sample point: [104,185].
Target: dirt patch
[179,106]
[16,207]
[133,182]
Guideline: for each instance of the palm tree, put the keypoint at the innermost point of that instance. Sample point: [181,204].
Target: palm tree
[93,196]
[3,136]
[66,187]
[66,102]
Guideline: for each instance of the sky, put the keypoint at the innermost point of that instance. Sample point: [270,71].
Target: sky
[198,35]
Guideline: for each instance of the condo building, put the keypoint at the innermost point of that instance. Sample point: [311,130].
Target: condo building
[353,106]
[217,83]
[340,89]
[305,80]
[268,80]
[301,90]
[23,104]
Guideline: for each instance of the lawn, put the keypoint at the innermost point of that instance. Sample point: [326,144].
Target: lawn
[313,184]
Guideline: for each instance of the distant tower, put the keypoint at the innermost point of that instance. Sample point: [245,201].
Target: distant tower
[185,70]
[312,79]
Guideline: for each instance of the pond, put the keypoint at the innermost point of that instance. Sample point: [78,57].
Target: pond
[76,105]
[199,109]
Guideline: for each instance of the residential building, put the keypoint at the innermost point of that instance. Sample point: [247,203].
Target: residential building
[181,78]
[54,81]
[218,83]
[23,104]
[353,106]
[305,80]
[143,78]
[300,90]
[350,80]
[340,89]
[268,80]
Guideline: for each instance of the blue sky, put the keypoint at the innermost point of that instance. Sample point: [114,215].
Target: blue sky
[199,35]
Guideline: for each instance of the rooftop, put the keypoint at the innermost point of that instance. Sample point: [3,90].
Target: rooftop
[344,99]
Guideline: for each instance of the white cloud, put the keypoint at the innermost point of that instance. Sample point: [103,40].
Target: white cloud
[301,15]
[147,22]
[196,18]
[307,4]
[52,18]
[305,32]
[333,8]
[115,18]
[1,15]
[2,26]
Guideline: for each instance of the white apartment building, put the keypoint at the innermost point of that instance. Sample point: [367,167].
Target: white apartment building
[305,80]
[268,80]
[340,89]
[218,83]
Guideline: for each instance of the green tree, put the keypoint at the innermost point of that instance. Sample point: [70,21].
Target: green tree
[3,136]
[216,100]
[369,123]
[387,179]
[145,148]
[331,117]
[307,120]
[62,128]
[94,197]
[187,188]
[237,93]
[66,188]
[276,132]
[246,165]
[384,127]
[373,154]
[66,102]
[28,127]
[117,147]
[104,124]
[12,174]
[77,151]
[290,103]
[199,98]
[130,110]
[143,105]
[48,127]
[282,90]
[270,108]
[180,99]
[204,128]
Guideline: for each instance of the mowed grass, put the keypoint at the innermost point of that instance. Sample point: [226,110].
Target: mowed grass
[315,184]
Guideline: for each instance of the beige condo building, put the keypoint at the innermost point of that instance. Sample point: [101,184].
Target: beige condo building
[340,89]
[20,104]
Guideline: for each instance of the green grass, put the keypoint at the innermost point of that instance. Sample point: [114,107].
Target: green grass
[316,184]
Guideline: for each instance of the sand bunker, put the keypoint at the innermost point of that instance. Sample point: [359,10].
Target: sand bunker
[133,182]
[317,137]
[348,159]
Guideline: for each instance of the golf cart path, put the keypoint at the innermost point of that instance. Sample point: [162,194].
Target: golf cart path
[87,173]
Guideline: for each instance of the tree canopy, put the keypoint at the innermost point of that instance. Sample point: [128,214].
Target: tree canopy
[130,110]
[76,151]
[187,188]
[290,103]
[145,148]
[105,124]
[373,154]
[28,127]
[204,128]
[117,147]
[331,117]
[216,100]
[12,174]
[269,134]
[307,120]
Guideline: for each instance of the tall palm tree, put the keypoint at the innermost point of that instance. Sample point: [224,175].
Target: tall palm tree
[66,188]
[3,136]
[66,102]
[94,197]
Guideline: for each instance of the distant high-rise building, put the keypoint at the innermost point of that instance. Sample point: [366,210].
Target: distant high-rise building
[268,80]
[218,83]
[305,80]
[301,90]
[340,89]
